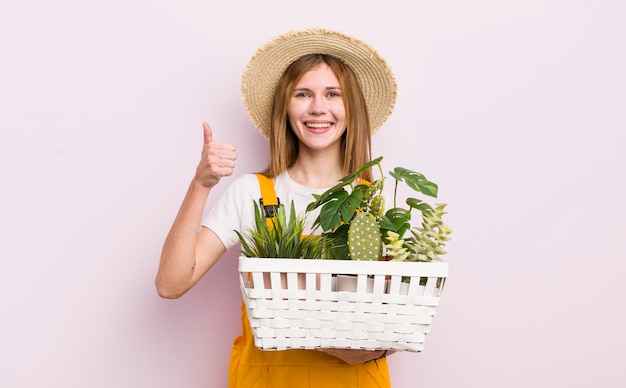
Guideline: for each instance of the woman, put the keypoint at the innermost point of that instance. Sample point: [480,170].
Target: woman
[318,96]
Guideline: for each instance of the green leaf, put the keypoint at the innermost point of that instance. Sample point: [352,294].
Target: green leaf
[338,249]
[283,237]
[396,220]
[340,187]
[415,180]
[418,204]
[352,177]
[340,208]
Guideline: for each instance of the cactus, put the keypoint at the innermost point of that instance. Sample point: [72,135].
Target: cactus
[377,207]
[364,237]
[364,242]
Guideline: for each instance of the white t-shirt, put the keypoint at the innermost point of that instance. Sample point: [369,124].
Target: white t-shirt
[234,210]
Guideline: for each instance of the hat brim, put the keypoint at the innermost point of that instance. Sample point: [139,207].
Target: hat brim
[264,69]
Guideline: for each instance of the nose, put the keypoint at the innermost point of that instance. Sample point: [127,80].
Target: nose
[317,106]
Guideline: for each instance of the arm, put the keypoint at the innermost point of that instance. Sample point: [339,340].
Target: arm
[190,251]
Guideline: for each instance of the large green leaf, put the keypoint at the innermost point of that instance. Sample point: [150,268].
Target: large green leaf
[340,208]
[415,180]
[340,187]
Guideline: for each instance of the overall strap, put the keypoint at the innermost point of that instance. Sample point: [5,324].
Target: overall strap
[268,201]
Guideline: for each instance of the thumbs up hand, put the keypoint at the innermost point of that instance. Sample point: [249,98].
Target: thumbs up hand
[217,160]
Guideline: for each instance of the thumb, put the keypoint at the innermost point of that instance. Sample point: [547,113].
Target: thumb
[208,133]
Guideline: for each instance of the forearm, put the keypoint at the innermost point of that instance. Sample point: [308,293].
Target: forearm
[178,266]
[188,252]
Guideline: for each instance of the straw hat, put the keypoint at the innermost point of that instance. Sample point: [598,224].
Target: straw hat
[270,61]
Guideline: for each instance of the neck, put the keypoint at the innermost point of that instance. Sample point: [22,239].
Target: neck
[317,170]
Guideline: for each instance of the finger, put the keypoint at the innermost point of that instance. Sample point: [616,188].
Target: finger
[208,133]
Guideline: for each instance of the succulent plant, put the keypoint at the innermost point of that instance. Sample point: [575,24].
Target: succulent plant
[426,243]
[395,247]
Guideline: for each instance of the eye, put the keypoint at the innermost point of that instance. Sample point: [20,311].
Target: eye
[334,94]
[301,94]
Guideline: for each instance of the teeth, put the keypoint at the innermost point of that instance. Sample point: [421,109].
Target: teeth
[316,125]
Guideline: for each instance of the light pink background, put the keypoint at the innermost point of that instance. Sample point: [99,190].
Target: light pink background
[516,109]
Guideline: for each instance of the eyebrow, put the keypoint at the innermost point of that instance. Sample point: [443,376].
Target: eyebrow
[326,88]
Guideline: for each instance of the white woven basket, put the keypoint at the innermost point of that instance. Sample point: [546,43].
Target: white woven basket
[302,304]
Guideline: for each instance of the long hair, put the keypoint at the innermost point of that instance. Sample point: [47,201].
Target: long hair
[356,143]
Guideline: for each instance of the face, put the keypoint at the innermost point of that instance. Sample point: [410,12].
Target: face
[316,111]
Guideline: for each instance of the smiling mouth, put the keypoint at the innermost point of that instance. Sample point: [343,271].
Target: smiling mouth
[318,125]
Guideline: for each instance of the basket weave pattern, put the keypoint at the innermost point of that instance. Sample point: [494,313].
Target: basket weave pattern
[304,304]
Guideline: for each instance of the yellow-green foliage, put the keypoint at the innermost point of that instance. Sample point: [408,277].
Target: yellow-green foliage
[426,243]
[395,247]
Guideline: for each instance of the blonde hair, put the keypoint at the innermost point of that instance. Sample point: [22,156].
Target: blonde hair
[356,144]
